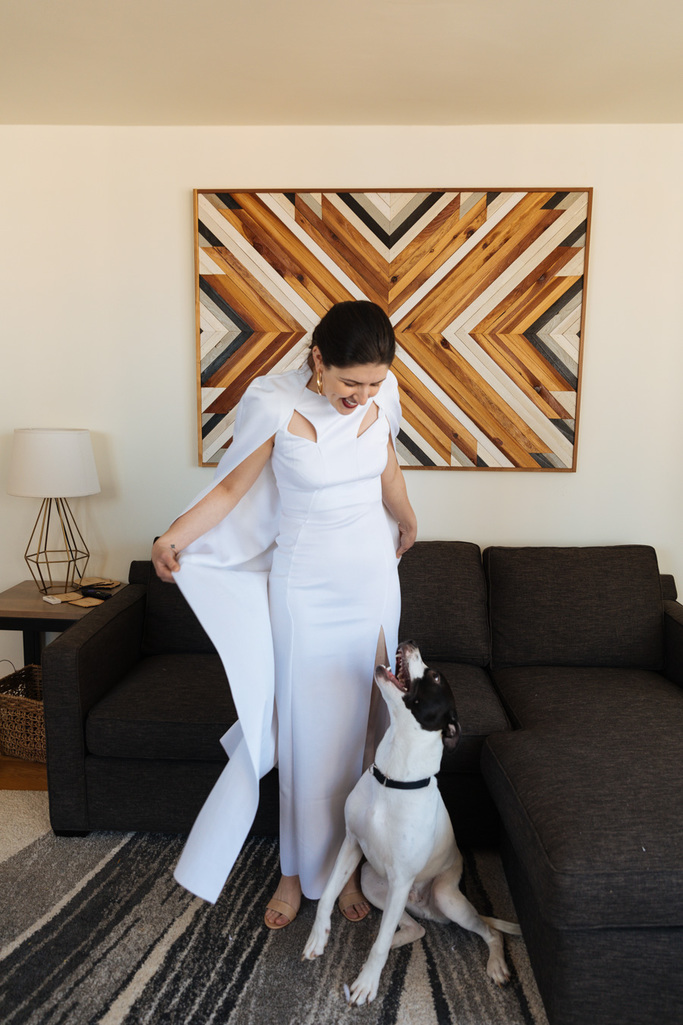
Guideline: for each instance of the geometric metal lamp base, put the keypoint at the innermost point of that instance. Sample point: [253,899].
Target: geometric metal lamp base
[59,544]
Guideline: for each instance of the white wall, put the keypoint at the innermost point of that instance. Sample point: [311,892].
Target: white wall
[97,318]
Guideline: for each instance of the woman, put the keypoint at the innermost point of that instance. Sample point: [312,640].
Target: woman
[318,482]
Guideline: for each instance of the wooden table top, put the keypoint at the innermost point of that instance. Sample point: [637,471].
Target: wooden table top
[25,601]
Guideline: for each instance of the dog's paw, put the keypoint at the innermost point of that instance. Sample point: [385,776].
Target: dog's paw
[364,989]
[498,970]
[316,942]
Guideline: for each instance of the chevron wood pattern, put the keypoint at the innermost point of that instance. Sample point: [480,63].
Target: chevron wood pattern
[485,289]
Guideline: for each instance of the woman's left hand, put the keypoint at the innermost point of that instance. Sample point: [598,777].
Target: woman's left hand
[407,534]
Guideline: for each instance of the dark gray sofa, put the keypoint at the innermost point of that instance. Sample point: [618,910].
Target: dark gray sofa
[567,668]
[136,701]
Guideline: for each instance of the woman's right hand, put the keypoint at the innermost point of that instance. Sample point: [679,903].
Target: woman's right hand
[208,512]
[165,560]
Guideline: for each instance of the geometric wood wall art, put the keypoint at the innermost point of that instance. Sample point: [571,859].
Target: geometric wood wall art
[486,292]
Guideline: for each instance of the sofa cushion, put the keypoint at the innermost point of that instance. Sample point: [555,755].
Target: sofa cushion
[443,596]
[170,624]
[169,706]
[598,826]
[479,712]
[589,698]
[575,606]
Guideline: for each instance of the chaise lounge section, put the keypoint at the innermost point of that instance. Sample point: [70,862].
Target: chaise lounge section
[587,660]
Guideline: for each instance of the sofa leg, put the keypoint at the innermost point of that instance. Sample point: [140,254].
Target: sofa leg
[71,832]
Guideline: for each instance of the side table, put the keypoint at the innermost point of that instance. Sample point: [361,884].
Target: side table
[22,608]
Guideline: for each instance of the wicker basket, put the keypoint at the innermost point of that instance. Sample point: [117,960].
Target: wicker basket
[22,722]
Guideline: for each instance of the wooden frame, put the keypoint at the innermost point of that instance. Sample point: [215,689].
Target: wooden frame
[486,291]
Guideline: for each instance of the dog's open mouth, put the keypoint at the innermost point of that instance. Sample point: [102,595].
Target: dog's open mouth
[402,678]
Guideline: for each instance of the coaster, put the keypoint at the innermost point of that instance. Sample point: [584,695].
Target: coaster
[98,582]
[69,596]
[86,603]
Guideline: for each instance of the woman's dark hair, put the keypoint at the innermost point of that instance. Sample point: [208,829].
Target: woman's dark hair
[353,333]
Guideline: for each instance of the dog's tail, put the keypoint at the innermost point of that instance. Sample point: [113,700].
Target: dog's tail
[509,927]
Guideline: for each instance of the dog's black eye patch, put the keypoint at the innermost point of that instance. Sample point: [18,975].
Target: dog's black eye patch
[431,703]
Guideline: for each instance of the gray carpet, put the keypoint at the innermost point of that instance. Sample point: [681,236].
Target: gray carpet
[95,930]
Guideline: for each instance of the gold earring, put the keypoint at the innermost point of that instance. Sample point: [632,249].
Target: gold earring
[319,382]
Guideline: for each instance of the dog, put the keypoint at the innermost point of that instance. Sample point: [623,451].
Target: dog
[395,816]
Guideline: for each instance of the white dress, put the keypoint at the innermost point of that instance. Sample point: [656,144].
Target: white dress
[294,587]
[333,589]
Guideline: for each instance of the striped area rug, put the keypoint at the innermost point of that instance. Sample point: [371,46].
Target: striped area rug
[94,931]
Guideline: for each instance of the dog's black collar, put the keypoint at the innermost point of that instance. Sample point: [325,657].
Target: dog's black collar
[395,784]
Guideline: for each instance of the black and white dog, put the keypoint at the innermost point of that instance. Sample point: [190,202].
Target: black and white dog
[396,817]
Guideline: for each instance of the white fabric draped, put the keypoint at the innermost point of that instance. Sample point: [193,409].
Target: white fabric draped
[224,576]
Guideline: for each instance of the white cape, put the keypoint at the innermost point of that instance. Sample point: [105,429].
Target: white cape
[224,577]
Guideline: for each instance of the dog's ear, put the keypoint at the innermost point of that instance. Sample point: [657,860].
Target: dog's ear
[451,733]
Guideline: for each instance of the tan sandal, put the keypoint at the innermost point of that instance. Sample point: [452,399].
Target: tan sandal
[347,900]
[282,908]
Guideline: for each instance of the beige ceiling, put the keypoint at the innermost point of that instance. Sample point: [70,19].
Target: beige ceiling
[240,62]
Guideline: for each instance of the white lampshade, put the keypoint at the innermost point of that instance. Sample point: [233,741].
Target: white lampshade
[52,463]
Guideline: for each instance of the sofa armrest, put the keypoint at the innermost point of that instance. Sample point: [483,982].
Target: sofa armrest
[673,641]
[79,667]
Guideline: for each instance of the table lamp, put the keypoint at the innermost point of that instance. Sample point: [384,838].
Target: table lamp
[54,464]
